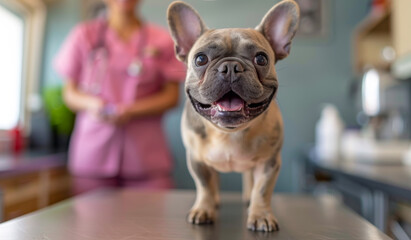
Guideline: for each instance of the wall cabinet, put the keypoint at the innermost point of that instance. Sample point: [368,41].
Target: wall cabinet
[384,37]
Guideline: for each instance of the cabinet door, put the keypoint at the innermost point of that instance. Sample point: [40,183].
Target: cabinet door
[59,185]
[401,26]
[20,194]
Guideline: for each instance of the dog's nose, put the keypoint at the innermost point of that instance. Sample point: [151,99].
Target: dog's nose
[230,68]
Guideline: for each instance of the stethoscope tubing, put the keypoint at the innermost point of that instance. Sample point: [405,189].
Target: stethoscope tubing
[100,54]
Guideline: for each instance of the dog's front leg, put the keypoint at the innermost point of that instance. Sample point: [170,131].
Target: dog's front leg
[248,182]
[260,216]
[207,200]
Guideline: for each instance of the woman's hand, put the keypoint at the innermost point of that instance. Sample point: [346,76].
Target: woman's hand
[77,100]
[120,115]
[95,107]
[155,104]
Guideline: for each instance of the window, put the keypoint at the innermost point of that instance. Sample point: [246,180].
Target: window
[11,67]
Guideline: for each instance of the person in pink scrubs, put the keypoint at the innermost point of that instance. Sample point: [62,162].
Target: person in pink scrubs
[121,76]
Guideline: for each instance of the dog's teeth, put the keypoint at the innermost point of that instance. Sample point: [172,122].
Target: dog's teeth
[220,108]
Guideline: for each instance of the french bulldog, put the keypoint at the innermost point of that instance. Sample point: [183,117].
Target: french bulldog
[231,121]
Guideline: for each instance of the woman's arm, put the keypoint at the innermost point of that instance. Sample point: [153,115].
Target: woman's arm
[156,104]
[79,101]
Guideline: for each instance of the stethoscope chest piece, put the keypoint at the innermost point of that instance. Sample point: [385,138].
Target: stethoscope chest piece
[135,68]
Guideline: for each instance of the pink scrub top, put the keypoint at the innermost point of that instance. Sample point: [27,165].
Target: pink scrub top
[139,148]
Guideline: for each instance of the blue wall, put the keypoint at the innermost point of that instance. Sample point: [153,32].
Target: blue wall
[61,17]
[317,71]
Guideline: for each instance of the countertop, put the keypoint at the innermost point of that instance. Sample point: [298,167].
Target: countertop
[129,214]
[395,179]
[11,165]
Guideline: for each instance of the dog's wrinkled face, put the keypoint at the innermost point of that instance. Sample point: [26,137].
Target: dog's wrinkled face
[231,77]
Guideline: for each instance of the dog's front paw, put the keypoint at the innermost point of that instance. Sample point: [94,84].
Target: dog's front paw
[264,221]
[201,215]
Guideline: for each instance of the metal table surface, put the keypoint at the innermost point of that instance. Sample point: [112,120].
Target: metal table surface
[127,214]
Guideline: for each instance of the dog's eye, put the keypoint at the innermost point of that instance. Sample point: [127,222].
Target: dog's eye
[261,59]
[201,60]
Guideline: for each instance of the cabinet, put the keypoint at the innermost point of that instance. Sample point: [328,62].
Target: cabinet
[401,20]
[27,192]
[383,38]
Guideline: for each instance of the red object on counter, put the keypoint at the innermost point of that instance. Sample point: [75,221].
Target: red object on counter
[380,6]
[17,140]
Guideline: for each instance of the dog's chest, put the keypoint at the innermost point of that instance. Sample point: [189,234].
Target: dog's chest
[236,152]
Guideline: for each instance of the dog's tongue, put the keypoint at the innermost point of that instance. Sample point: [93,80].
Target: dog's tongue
[230,102]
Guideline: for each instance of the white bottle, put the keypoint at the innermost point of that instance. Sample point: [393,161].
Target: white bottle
[407,157]
[329,129]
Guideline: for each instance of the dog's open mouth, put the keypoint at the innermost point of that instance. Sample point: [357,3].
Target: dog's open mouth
[230,102]
[230,110]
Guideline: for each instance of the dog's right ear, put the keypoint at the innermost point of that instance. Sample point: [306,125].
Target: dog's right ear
[186,27]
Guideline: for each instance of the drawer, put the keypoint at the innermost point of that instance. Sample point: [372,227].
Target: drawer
[28,192]
[59,187]
[20,208]
[58,196]
[56,173]
[19,180]
[20,189]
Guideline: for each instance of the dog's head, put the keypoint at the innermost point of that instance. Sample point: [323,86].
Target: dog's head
[231,77]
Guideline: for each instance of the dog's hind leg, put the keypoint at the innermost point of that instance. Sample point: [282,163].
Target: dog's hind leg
[206,181]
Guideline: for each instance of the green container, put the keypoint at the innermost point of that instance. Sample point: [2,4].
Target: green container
[61,118]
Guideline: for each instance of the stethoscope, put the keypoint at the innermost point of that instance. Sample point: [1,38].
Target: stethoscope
[99,55]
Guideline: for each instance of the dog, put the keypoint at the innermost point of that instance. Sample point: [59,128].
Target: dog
[231,121]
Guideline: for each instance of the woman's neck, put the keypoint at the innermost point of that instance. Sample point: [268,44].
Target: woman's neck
[124,24]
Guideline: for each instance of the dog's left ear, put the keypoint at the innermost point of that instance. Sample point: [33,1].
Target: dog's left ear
[279,26]
[186,27]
